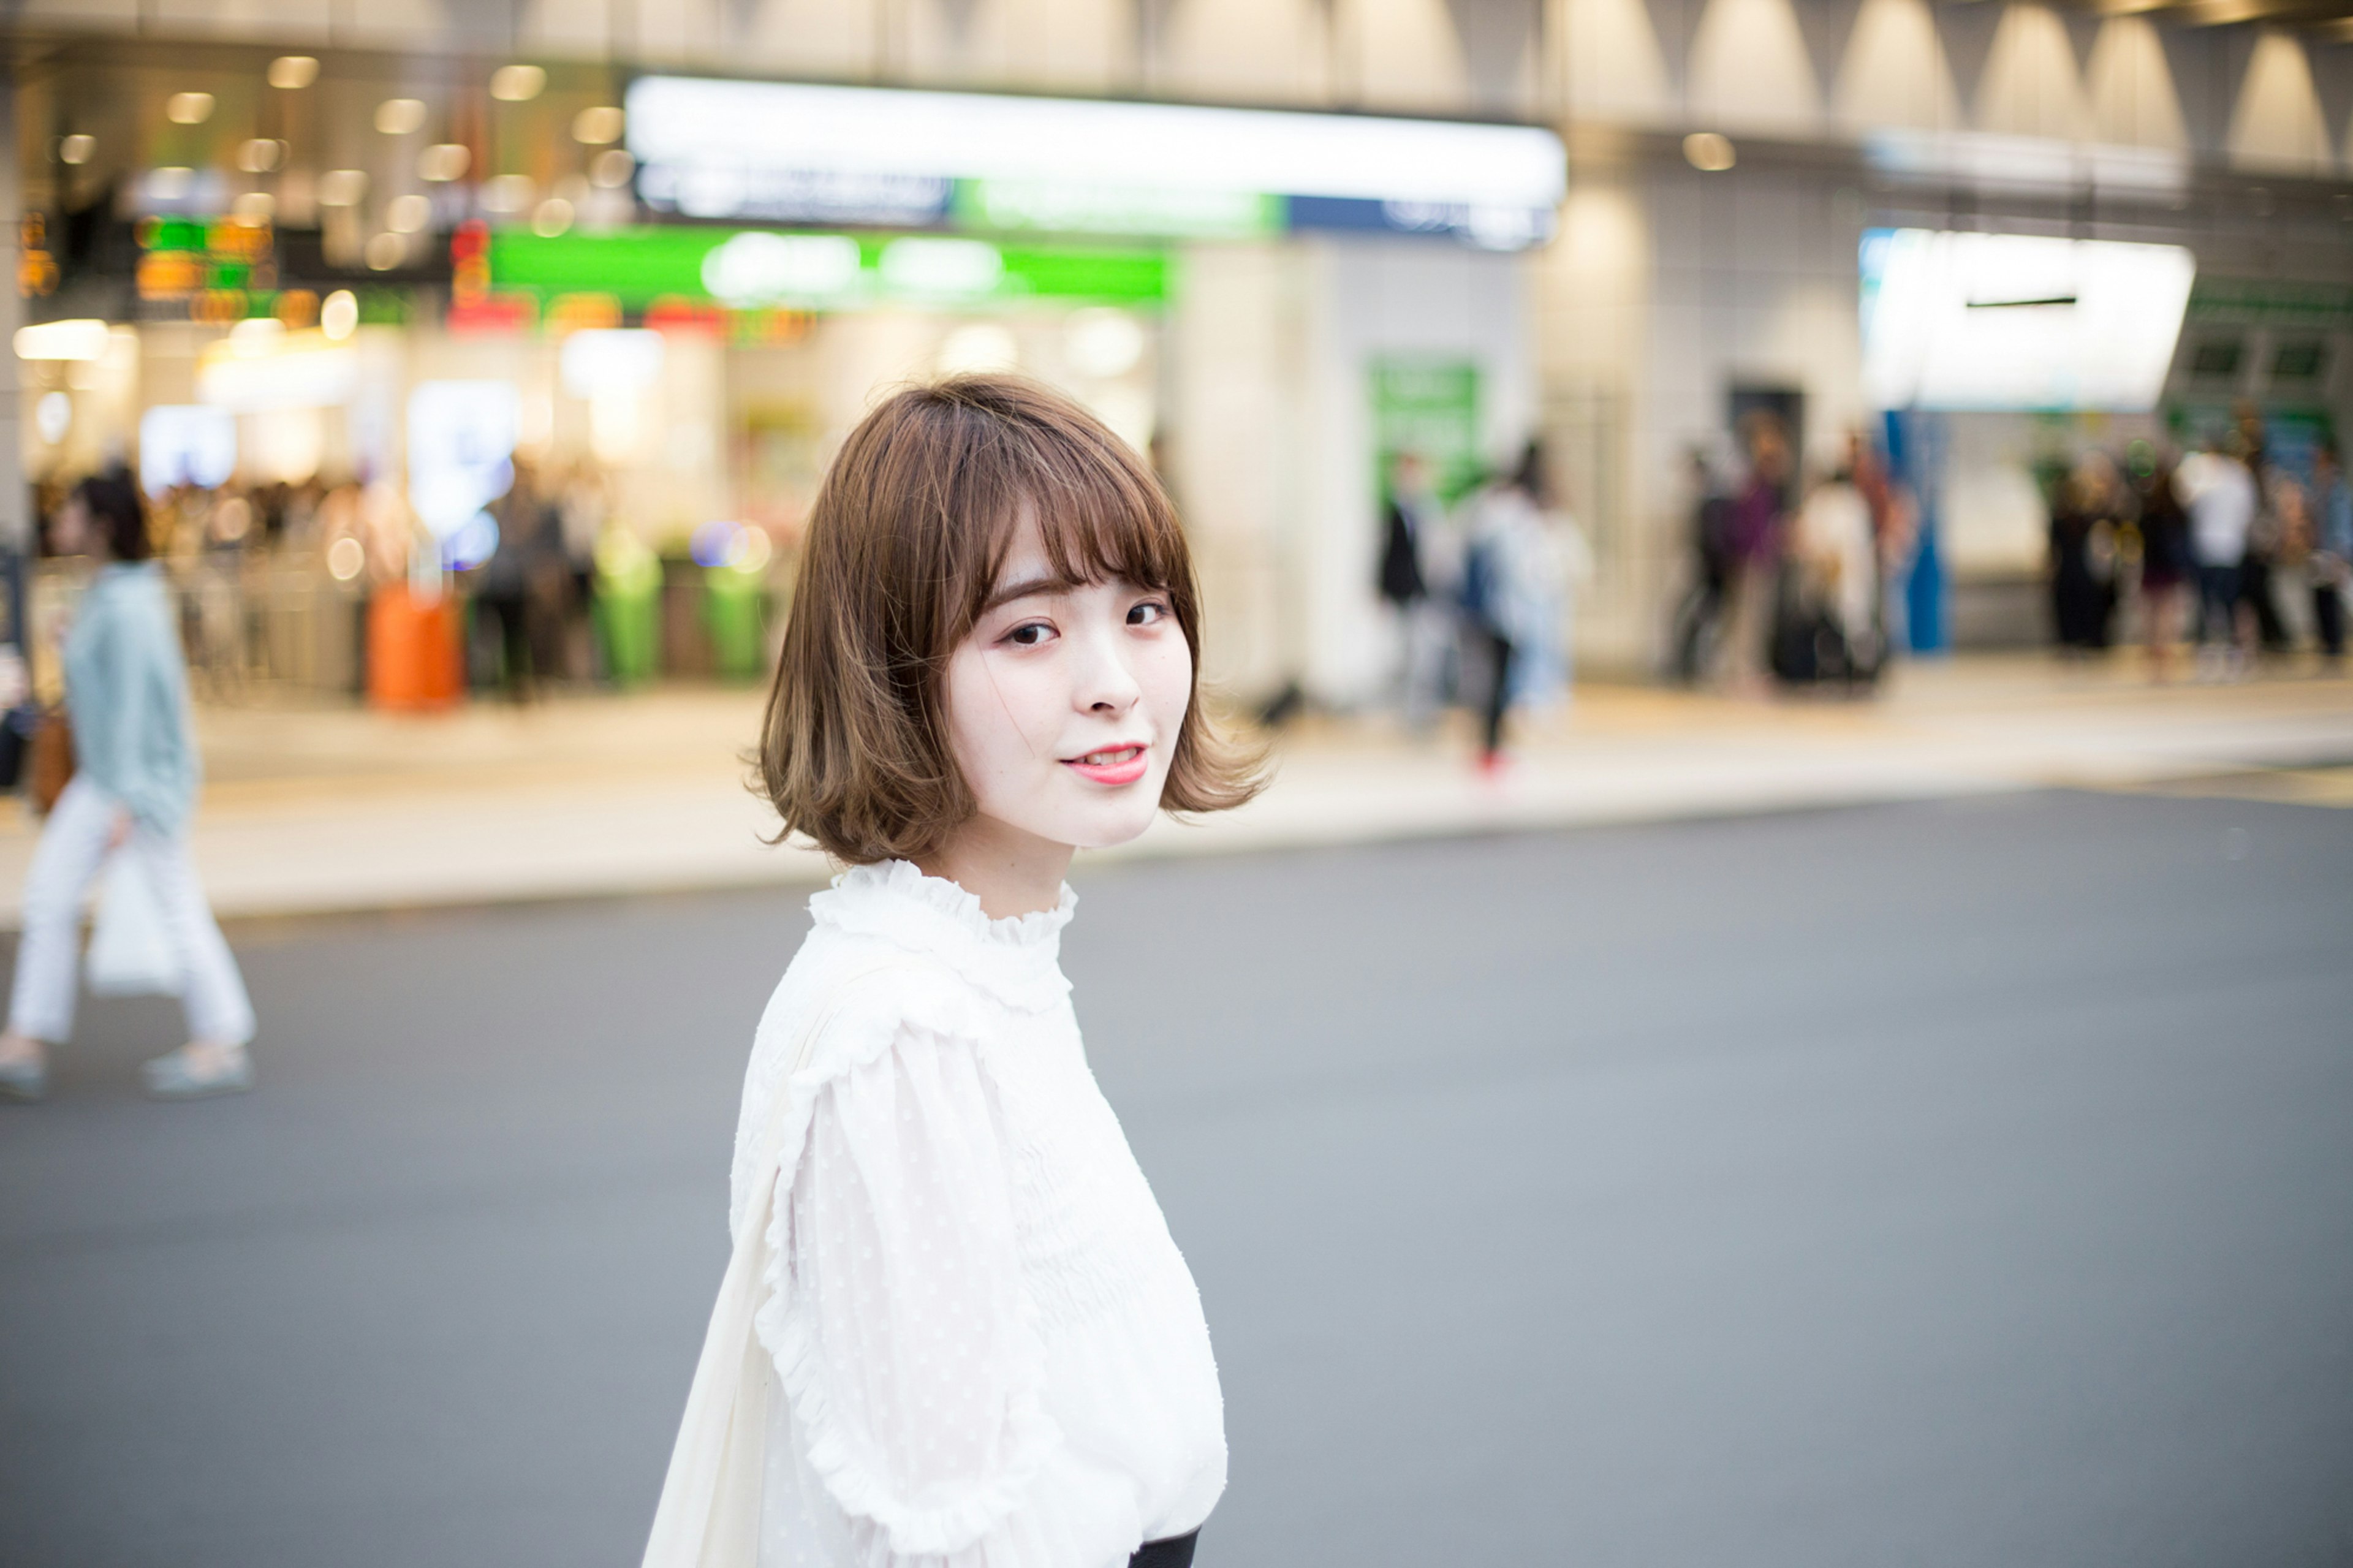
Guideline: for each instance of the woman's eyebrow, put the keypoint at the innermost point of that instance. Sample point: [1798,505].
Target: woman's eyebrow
[1026,588]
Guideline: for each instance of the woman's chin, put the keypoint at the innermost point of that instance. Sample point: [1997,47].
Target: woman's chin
[1111,824]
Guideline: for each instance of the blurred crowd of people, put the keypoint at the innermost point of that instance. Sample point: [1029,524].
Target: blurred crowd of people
[238,553]
[1481,593]
[2229,547]
[1791,581]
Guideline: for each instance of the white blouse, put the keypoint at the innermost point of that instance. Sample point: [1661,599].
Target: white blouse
[988,1351]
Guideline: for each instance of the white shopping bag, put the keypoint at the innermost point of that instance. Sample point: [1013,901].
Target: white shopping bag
[130,953]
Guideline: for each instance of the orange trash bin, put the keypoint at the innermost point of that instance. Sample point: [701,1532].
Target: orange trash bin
[412,655]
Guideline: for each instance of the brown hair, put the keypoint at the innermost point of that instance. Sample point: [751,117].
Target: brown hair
[912,525]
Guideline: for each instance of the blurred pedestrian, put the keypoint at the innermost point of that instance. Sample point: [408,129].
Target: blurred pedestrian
[2267,547]
[2331,563]
[2219,493]
[984,1347]
[1410,518]
[1512,584]
[1830,585]
[1893,525]
[2084,513]
[2165,563]
[1759,517]
[584,512]
[512,592]
[1699,620]
[131,795]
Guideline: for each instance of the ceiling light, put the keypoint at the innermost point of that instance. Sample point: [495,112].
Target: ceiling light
[255,336]
[387,251]
[293,72]
[597,126]
[339,314]
[1710,151]
[552,217]
[260,156]
[254,209]
[77,340]
[444,161]
[408,214]
[343,187]
[188,108]
[399,116]
[517,84]
[611,169]
[77,148]
[2222,13]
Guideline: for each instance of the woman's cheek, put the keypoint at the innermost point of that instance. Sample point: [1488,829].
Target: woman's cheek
[1169,681]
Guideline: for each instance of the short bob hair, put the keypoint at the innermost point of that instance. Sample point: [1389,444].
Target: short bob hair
[116,509]
[911,527]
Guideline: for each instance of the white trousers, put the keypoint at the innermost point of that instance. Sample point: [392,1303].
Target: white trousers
[71,853]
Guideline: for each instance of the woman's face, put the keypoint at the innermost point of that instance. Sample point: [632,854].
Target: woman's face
[1065,703]
[70,533]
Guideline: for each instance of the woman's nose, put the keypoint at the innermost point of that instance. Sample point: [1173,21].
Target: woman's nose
[1105,683]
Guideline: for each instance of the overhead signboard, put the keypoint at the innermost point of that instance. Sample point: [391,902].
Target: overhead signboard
[761,269]
[787,152]
[2019,321]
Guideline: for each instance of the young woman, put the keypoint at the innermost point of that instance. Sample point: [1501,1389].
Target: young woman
[954,1332]
[133,786]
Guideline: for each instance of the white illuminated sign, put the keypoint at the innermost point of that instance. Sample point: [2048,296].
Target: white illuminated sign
[604,361]
[461,438]
[249,372]
[185,444]
[753,269]
[2019,321]
[749,149]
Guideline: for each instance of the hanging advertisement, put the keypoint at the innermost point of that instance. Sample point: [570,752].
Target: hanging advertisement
[1428,407]
[795,153]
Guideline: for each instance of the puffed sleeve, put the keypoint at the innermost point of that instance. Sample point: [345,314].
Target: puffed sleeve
[907,1346]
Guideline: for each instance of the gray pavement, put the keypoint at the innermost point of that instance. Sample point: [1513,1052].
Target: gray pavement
[1964,1183]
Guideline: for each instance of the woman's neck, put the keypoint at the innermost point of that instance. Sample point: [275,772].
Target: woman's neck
[1009,871]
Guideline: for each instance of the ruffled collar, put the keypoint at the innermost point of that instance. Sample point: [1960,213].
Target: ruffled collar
[1018,960]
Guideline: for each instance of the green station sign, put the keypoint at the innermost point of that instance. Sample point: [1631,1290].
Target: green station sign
[767,268]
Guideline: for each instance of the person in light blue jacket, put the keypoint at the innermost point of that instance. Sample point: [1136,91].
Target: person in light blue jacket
[133,787]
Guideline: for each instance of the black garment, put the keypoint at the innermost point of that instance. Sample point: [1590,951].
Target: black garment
[1401,579]
[507,662]
[2081,600]
[2329,618]
[2165,557]
[1177,1552]
[1499,692]
[2255,591]
[1703,609]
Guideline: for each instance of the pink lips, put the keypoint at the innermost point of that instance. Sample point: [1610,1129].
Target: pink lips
[1126,770]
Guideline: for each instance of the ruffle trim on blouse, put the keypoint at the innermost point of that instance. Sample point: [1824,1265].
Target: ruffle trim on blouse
[1016,960]
[867,1025]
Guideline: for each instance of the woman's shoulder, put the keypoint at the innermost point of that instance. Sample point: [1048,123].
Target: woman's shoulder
[845,1003]
[847,998]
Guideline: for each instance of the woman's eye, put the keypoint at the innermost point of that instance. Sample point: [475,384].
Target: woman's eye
[1030,634]
[1146,613]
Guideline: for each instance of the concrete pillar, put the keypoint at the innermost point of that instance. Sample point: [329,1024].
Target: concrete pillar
[16,524]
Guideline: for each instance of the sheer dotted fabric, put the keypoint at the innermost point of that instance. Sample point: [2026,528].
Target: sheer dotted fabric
[989,1352]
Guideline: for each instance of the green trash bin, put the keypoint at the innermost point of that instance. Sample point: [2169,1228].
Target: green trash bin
[735,609]
[627,609]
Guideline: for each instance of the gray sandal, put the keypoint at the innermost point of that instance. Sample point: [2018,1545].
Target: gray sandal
[174,1077]
[24,1080]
